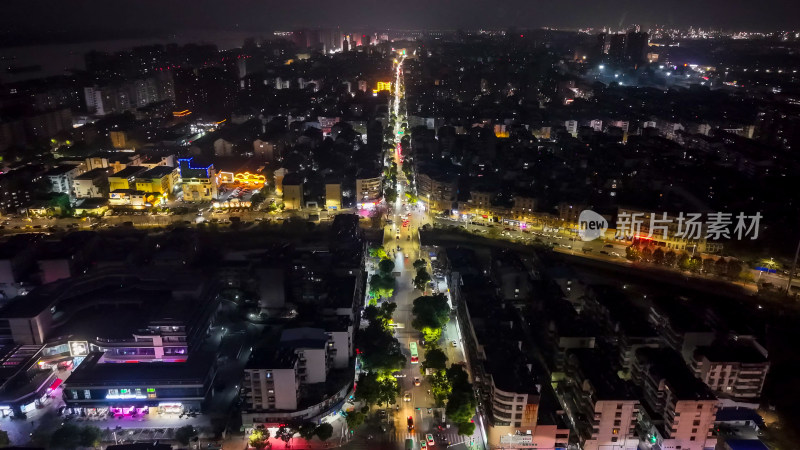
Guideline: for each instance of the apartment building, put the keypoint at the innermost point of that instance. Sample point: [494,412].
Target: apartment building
[284,381]
[271,381]
[604,407]
[678,409]
[734,369]
[91,184]
[62,176]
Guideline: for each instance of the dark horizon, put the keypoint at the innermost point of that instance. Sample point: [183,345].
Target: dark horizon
[37,20]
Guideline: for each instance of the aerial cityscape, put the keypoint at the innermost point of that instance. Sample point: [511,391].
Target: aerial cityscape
[468,227]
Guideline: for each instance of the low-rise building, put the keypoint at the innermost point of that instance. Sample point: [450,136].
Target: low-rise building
[158,180]
[368,188]
[437,191]
[293,191]
[61,178]
[125,178]
[199,182]
[92,184]
[333,195]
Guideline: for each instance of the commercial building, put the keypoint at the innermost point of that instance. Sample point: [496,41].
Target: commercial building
[293,191]
[437,191]
[199,183]
[638,230]
[98,387]
[333,195]
[115,161]
[734,369]
[158,180]
[24,383]
[368,188]
[125,178]
[678,409]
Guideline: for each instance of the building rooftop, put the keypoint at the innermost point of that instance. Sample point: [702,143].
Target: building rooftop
[128,172]
[293,179]
[668,365]
[745,444]
[157,172]
[595,367]
[60,170]
[270,357]
[740,351]
[93,373]
[305,337]
[736,414]
[94,173]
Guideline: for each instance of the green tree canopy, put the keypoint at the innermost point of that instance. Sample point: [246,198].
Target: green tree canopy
[390,194]
[380,351]
[354,419]
[324,431]
[90,436]
[461,406]
[440,388]
[430,311]
[466,428]
[381,314]
[259,438]
[285,433]
[67,436]
[435,359]
[185,434]
[306,430]
[386,266]
[381,285]
[734,269]
[422,279]
[368,389]
[420,264]
[377,252]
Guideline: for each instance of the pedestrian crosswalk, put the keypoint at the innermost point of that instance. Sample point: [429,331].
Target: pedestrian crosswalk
[442,438]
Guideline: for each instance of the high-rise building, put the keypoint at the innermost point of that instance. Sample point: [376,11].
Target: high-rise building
[636,47]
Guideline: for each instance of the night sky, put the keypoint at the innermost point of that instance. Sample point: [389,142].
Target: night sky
[66,16]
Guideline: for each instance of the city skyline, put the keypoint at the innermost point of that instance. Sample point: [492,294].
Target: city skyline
[47,17]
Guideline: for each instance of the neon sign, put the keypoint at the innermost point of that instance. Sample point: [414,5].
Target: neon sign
[383,86]
[129,394]
[250,178]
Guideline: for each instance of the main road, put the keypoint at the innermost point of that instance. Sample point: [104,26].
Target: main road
[401,242]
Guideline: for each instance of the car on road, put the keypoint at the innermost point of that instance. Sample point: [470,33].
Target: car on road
[410,423]
[423,445]
[416,381]
[407,397]
[429,439]
[454,343]
[615,254]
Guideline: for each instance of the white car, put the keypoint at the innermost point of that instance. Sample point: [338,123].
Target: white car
[429,438]
[407,397]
